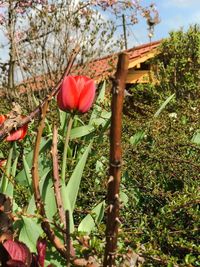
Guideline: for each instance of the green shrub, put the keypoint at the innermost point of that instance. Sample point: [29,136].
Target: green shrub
[179,63]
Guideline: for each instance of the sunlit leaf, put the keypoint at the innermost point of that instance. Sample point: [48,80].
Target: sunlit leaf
[30,232]
[137,137]
[163,105]
[27,170]
[93,219]
[196,138]
[48,197]
[63,119]
[123,198]
[31,207]
[70,192]
[21,176]
[5,180]
[81,131]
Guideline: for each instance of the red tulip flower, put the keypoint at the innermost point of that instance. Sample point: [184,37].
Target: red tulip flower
[15,135]
[76,94]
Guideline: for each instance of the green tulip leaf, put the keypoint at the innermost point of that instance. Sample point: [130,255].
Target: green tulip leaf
[63,119]
[106,114]
[81,131]
[93,219]
[31,207]
[5,178]
[14,165]
[22,175]
[30,232]
[98,121]
[101,96]
[10,187]
[48,197]
[27,170]
[70,192]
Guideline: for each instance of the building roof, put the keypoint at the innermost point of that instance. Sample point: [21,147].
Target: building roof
[105,67]
[99,69]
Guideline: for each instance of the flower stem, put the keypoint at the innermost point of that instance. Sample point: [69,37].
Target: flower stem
[66,143]
[8,169]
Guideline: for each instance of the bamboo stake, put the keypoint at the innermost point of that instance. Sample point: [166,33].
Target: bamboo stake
[115,161]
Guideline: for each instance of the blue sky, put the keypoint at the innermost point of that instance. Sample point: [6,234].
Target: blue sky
[174,14]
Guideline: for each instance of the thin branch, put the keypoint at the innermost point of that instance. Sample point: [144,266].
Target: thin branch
[56,178]
[66,143]
[115,161]
[37,111]
[38,200]
[64,216]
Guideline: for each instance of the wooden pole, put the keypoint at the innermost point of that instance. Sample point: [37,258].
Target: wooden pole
[115,161]
[124,30]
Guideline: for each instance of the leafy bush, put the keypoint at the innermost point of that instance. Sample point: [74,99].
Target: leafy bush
[179,63]
[160,216]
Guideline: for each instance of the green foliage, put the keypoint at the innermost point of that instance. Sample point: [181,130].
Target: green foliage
[19,170]
[93,219]
[70,191]
[179,63]
[160,183]
[160,215]
[196,138]
[161,178]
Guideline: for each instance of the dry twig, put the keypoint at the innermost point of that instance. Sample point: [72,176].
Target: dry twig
[56,178]
[38,200]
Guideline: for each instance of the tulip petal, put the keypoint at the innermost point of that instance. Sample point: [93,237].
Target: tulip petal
[14,136]
[68,94]
[18,134]
[24,131]
[60,102]
[87,96]
[2,119]
[80,82]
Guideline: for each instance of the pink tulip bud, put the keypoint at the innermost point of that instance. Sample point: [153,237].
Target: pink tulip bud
[76,94]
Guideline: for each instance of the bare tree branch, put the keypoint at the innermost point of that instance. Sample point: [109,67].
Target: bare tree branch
[56,178]
[37,111]
[38,200]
